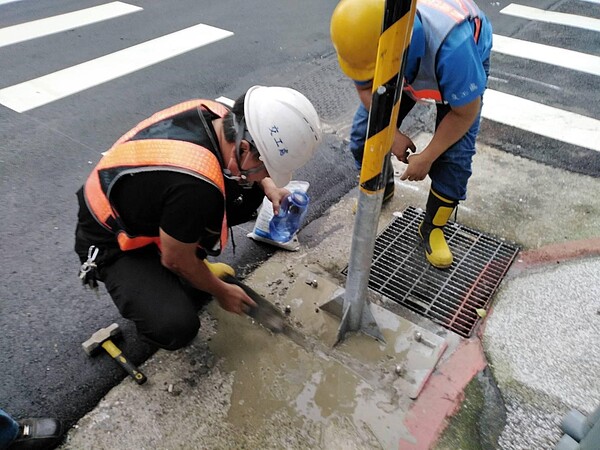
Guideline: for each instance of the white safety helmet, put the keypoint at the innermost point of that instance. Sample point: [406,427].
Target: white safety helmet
[285,128]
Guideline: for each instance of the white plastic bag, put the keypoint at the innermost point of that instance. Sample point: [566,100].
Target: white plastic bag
[261,231]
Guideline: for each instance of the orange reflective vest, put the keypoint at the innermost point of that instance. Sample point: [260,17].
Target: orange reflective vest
[129,157]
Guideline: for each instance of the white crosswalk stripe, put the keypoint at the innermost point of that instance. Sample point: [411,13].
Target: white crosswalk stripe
[63,22]
[544,120]
[572,20]
[40,91]
[569,59]
[521,113]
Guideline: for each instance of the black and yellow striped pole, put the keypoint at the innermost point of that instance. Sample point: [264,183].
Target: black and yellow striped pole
[385,104]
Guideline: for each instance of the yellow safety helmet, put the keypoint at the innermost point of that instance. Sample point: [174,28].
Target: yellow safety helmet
[355,29]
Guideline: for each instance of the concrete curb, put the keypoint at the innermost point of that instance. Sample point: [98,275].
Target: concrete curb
[444,392]
[555,253]
[443,395]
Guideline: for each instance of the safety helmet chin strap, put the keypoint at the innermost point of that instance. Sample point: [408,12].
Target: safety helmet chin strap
[242,134]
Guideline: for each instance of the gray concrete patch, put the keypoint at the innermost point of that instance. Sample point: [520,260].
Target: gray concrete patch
[239,386]
[543,344]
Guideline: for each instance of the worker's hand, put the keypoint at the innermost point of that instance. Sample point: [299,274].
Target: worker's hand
[235,300]
[220,269]
[277,198]
[274,194]
[418,167]
[402,146]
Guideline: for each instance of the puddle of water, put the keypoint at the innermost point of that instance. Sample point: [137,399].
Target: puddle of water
[320,399]
[275,378]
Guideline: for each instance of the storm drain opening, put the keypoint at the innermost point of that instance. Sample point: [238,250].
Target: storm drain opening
[449,297]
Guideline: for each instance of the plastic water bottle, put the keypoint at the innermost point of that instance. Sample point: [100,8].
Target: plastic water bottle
[293,208]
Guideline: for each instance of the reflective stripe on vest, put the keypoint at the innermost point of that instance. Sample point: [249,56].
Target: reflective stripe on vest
[438,18]
[128,157]
[209,105]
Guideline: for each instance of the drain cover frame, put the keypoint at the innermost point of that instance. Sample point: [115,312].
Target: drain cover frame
[449,297]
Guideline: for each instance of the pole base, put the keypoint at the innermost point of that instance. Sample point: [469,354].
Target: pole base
[368,324]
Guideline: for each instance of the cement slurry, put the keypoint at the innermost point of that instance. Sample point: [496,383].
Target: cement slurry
[237,386]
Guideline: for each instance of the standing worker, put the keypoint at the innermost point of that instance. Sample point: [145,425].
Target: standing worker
[167,193]
[447,62]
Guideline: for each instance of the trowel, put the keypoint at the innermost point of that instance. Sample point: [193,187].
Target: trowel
[265,313]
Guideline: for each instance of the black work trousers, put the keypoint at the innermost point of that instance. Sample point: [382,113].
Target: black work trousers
[163,307]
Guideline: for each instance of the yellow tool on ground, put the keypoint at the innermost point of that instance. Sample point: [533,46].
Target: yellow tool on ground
[102,339]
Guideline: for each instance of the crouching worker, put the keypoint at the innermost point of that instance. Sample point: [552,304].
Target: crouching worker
[166,194]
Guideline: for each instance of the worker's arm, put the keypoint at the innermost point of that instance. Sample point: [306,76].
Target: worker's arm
[273,193]
[402,143]
[365,93]
[453,126]
[180,258]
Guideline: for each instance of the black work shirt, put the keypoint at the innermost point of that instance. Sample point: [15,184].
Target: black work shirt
[185,207]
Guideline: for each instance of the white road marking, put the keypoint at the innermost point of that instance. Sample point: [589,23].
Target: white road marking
[527,12]
[556,56]
[498,80]
[40,91]
[55,24]
[597,2]
[521,78]
[540,119]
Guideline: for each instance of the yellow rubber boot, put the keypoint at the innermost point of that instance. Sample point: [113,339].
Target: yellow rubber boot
[431,230]
[219,270]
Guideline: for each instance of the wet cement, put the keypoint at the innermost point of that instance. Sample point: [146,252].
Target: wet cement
[240,386]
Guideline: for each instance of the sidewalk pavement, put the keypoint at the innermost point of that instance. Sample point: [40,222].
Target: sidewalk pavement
[535,357]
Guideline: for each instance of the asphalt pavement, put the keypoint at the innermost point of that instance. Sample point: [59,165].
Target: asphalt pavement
[532,360]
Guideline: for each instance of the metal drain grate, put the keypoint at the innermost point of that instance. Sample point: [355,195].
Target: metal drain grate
[449,297]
